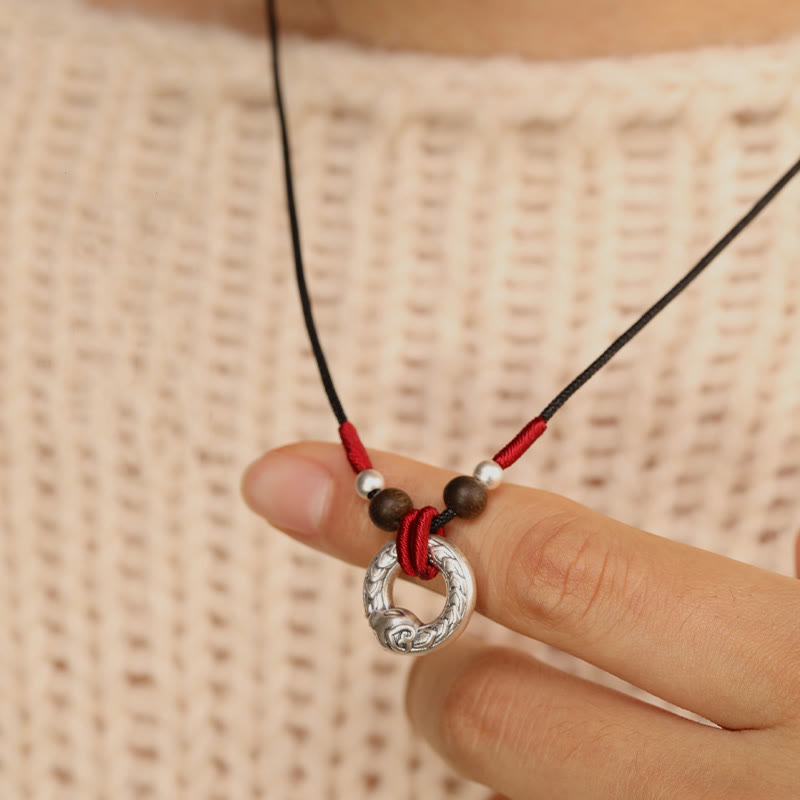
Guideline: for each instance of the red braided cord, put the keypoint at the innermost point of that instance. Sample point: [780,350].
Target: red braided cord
[404,557]
[421,531]
[402,541]
[412,542]
[520,443]
[353,447]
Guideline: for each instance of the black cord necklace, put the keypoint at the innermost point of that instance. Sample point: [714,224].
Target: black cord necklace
[416,551]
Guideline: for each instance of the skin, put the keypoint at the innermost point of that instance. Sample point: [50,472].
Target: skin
[711,634]
[541,29]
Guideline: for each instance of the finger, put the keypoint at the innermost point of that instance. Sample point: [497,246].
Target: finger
[509,721]
[705,632]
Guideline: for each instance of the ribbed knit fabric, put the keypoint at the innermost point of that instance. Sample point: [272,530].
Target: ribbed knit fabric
[476,232]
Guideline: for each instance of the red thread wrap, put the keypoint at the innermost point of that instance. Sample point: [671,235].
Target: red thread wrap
[521,442]
[355,450]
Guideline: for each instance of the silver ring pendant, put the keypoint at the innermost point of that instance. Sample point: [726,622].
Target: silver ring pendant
[400,631]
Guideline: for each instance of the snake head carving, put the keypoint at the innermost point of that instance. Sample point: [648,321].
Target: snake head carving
[396,628]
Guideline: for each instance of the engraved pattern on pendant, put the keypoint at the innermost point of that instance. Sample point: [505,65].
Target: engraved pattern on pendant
[398,629]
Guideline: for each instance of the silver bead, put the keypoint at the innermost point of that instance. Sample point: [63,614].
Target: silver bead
[368,480]
[489,473]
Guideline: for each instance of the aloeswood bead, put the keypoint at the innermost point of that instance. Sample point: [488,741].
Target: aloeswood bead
[386,508]
[466,496]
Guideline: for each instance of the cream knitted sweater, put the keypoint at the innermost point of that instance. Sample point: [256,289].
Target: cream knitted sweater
[476,232]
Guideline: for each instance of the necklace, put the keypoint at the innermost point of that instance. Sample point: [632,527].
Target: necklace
[417,549]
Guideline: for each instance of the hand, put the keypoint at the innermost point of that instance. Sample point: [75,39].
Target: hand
[716,636]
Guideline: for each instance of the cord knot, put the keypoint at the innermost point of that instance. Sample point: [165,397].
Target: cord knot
[412,542]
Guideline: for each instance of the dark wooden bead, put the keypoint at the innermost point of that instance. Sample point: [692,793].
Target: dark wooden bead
[466,496]
[386,508]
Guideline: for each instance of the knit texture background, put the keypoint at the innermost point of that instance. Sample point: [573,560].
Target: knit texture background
[476,232]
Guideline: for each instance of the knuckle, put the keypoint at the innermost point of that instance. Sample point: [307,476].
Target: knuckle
[563,571]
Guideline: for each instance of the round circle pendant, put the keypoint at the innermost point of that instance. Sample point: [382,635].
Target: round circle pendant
[400,631]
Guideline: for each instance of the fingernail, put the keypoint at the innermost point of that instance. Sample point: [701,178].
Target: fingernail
[290,491]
